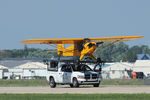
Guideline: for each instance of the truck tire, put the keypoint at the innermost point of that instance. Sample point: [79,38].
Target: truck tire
[75,82]
[71,85]
[96,84]
[52,82]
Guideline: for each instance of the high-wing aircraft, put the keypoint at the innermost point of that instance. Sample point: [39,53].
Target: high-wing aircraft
[80,46]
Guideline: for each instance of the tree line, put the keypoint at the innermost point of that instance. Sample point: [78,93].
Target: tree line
[27,53]
[114,53]
[122,52]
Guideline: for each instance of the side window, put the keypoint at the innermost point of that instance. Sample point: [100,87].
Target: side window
[63,69]
[66,68]
[53,66]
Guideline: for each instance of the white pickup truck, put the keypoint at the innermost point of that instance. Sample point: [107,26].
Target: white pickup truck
[72,74]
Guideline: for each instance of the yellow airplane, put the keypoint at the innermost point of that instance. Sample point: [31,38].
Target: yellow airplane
[80,46]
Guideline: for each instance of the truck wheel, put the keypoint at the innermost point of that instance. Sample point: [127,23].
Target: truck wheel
[96,85]
[52,82]
[71,85]
[75,82]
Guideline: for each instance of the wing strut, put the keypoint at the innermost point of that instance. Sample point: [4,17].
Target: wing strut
[110,44]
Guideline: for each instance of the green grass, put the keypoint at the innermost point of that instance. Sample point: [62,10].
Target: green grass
[122,82]
[74,96]
[43,82]
[20,83]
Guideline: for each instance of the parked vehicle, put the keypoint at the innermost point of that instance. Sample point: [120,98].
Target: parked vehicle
[72,74]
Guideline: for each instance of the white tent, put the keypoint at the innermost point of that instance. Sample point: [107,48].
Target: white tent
[119,66]
[3,67]
[141,63]
[33,69]
[2,70]
[32,65]
[142,66]
[117,70]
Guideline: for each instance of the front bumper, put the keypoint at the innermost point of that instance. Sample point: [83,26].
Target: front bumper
[89,81]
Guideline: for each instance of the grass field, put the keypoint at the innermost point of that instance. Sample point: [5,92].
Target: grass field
[122,82]
[74,96]
[26,83]
[43,82]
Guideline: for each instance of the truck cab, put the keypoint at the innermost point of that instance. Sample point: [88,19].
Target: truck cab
[72,74]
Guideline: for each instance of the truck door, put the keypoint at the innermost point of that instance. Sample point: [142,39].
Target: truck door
[67,72]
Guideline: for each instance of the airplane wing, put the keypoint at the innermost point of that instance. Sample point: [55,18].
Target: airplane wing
[81,40]
[112,39]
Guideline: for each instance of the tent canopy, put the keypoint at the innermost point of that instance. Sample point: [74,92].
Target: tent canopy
[3,67]
[32,65]
[118,66]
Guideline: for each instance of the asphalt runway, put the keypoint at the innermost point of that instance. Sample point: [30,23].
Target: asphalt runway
[80,90]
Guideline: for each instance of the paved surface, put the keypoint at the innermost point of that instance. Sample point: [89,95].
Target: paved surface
[81,90]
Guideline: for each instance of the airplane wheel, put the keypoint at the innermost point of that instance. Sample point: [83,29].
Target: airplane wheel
[52,82]
[75,82]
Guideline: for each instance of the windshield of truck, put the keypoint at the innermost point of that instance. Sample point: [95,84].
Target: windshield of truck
[81,68]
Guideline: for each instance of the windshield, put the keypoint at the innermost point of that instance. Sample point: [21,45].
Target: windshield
[81,67]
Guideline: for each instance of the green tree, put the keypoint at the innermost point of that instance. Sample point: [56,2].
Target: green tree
[25,51]
[113,52]
[39,53]
[131,54]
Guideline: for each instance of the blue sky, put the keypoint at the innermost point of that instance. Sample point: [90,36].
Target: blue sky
[32,19]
